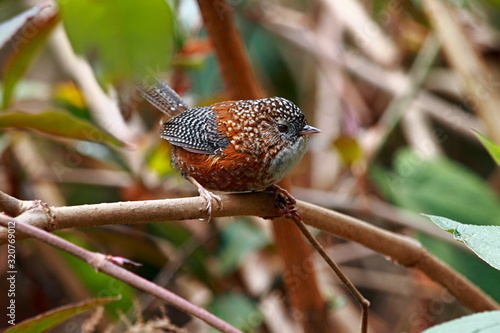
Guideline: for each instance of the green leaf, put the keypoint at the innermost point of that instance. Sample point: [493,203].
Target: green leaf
[238,310]
[23,49]
[438,187]
[492,148]
[238,239]
[124,38]
[49,319]
[58,124]
[484,240]
[483,322]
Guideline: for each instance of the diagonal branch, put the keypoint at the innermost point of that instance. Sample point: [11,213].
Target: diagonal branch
[400,249]
[101,263]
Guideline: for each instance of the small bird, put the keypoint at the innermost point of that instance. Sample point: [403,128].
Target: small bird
[245,145]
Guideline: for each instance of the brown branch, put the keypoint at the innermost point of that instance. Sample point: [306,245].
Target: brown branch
[101,263]
[235,69]
[138,212]
[10,205]
[402,250]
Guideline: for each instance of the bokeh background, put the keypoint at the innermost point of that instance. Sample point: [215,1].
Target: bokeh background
[397,88]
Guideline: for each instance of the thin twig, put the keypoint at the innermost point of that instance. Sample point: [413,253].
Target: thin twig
[372,206]
[363,302]
[101,263]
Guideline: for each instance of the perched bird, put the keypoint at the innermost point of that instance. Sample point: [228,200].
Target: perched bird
[245,145]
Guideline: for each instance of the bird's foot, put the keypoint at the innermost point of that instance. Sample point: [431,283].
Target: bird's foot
[285,202]
[208,196]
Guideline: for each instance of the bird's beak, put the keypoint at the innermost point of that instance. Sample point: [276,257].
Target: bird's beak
[308,129]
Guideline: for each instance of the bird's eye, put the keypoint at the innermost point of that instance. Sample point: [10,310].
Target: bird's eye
[282,128]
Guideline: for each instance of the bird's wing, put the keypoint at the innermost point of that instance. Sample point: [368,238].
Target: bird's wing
[195,130]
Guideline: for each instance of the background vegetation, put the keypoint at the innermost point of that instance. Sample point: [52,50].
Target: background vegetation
[396,87]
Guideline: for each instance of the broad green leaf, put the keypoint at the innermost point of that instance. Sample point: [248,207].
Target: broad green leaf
[49,319]
[483,322]
[492,148]
[9,28]
[58,124]
[484,240]
[23,49]
[124,38]
[238,239]
[238,310]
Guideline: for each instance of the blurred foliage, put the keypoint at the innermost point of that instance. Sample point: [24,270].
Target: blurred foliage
[238,239]
[492,148]
[237,310]
[125,38]
[55,146]
[439,187]
[58,124]
[57,316]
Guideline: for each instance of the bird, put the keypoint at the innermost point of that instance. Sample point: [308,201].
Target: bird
[231,146]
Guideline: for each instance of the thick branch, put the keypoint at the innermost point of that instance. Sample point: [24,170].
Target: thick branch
[137,212]
[101,263]
[402,250]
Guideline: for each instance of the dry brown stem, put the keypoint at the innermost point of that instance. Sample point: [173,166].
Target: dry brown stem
[402,250]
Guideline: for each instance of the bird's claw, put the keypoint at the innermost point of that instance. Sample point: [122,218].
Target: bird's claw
[285,202]
[209,196]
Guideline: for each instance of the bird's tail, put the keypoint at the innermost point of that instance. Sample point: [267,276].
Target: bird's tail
[164,98]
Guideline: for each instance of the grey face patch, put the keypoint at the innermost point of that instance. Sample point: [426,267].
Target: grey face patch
[287,159]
